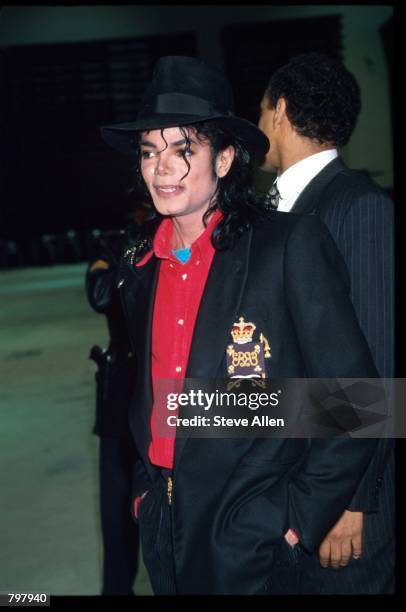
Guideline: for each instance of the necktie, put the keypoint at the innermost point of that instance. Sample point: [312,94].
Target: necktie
[272,198]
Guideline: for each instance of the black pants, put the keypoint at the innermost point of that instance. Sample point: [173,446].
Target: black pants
[120,533]
[156,538]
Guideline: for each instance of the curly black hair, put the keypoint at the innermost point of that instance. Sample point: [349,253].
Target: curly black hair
[235,196]
[322,97]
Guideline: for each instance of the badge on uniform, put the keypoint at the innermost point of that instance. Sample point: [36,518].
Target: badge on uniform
[245,358]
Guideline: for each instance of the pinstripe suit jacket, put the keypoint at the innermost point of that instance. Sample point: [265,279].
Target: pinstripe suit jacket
[359,216]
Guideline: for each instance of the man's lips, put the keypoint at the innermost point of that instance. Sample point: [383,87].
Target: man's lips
[168,190]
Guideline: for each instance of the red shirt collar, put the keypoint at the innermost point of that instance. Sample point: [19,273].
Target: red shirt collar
[162,244]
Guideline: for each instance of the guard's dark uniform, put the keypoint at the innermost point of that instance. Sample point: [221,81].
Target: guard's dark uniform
[115,384]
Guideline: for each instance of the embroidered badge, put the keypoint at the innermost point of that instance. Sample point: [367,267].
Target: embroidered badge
[245,357]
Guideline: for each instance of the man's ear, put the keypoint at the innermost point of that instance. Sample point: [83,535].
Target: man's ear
[280,111]
[224,160]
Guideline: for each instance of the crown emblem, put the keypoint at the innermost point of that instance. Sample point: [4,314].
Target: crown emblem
[242,331]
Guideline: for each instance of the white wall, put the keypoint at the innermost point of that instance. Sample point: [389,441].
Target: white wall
[363,51]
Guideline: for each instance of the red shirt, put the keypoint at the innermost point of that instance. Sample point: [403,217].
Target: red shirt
[178,295]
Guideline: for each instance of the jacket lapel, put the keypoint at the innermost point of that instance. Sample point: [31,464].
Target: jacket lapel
[140,297]
[141,287]
[309,201]
[218,310]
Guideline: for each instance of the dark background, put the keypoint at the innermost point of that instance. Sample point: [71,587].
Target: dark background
[58,180]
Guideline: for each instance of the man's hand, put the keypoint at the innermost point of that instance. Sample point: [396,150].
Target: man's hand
[344,539]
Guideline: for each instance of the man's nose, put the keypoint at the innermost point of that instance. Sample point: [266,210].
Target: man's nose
[163,165]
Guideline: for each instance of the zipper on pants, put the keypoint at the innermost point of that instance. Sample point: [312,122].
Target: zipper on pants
[169,489]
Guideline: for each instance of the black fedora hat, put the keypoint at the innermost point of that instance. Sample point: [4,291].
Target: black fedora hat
[185,91]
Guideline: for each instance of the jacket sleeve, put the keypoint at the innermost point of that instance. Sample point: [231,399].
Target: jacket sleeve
[333,346]
[100,288]
[366,239]
[366,497]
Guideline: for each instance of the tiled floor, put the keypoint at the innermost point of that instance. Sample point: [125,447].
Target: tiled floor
[49,524]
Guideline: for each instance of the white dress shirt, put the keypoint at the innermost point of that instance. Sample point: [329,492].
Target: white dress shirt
[292,182]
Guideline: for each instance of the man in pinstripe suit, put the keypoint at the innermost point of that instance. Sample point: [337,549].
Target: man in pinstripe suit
[308,111]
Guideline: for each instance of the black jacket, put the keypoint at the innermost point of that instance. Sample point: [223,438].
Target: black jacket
[116,374]
[233,499]
[360,217]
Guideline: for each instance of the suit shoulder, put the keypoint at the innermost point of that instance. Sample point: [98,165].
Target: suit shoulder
[283,224]
[356,186]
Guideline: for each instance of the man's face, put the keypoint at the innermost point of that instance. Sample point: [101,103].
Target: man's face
[175,189]
[266,123]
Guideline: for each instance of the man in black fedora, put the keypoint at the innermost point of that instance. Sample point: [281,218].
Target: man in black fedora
[239,515]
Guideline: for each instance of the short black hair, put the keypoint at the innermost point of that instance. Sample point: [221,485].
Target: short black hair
[322,97]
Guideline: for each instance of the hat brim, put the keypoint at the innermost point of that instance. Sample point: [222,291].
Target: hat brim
[121,136]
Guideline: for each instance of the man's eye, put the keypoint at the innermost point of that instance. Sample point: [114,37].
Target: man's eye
[184,152]
[147,154]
